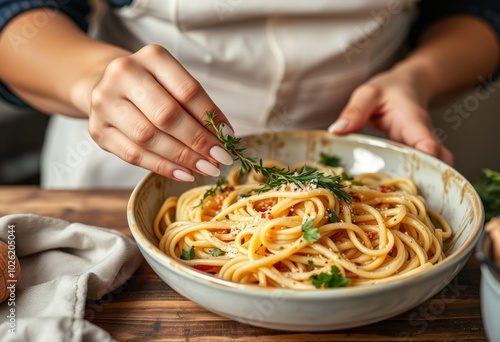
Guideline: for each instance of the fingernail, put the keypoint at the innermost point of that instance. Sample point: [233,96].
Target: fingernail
[183,175]
[205,167]
[338,125]
[221,155]
[227,130]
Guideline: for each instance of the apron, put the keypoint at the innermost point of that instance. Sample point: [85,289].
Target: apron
[268,65]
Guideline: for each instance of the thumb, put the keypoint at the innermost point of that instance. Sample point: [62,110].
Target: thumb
[363,103]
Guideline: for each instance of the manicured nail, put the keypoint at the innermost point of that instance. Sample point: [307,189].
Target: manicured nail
[221,155]
[183,175]
[338,126]
[227,130]
[205,167]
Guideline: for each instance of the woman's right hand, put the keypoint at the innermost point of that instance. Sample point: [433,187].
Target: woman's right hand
[149,111]
[143,107]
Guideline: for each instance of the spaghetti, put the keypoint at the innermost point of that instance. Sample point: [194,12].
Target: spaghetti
[299,237]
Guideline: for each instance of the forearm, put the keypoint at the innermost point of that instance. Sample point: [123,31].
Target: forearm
[55,68]
[452,55]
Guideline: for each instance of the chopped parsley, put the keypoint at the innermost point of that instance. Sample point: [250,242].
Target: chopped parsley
[327,160]
[328,280]
[310,265]
[310,233]
[188,255]
[332,216]
[216,252]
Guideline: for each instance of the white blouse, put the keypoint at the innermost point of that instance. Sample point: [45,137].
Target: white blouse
[269,65]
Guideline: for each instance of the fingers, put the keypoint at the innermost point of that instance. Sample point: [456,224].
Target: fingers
[155,119]
[181,86]
[395,113]
[363,103]
[435,148]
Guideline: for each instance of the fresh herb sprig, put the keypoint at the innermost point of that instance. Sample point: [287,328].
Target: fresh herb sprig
[212,191]
[488,188]
[276,176]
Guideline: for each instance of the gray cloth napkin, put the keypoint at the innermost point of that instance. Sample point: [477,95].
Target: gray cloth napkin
[62,265]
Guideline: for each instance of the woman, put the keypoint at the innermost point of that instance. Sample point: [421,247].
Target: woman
[148,72]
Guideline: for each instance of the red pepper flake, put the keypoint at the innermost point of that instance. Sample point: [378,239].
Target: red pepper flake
[278,265]
[385,188]
[207,268]
[356,197]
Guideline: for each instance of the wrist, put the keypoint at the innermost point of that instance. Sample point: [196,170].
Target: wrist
[420,76]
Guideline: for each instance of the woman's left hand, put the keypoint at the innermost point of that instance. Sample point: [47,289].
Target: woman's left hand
[394,103]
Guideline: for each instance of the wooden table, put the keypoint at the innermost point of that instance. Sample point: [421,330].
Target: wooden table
[146,309]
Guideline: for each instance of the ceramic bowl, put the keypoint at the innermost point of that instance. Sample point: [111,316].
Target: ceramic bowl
[445,189]
[490,287]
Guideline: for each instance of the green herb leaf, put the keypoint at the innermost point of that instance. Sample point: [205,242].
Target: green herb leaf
[188,255]
[276,176]
[349,178]
[211,192]
[216,252]
[332,216]
[328,280]
[310,265]
[488,189]
[310,233]
[327,160]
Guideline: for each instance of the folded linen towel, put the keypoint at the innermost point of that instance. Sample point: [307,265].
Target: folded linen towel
[62,265]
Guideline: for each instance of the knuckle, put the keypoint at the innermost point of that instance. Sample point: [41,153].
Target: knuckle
[369,91]
[120,66]
[98,98]
[153,50]
[143,134]
[182,156]
[95,134]
[132,154]
[188,91]
[165,114]
[160,167]
[199,141]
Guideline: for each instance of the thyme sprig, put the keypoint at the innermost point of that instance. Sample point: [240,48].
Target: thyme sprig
[212,191]
[276,176]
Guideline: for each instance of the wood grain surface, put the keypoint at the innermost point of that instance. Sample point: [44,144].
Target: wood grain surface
[146,309]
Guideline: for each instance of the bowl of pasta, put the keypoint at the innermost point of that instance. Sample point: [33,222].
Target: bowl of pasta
[317,233]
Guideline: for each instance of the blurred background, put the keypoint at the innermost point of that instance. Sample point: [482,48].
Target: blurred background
[468,125]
